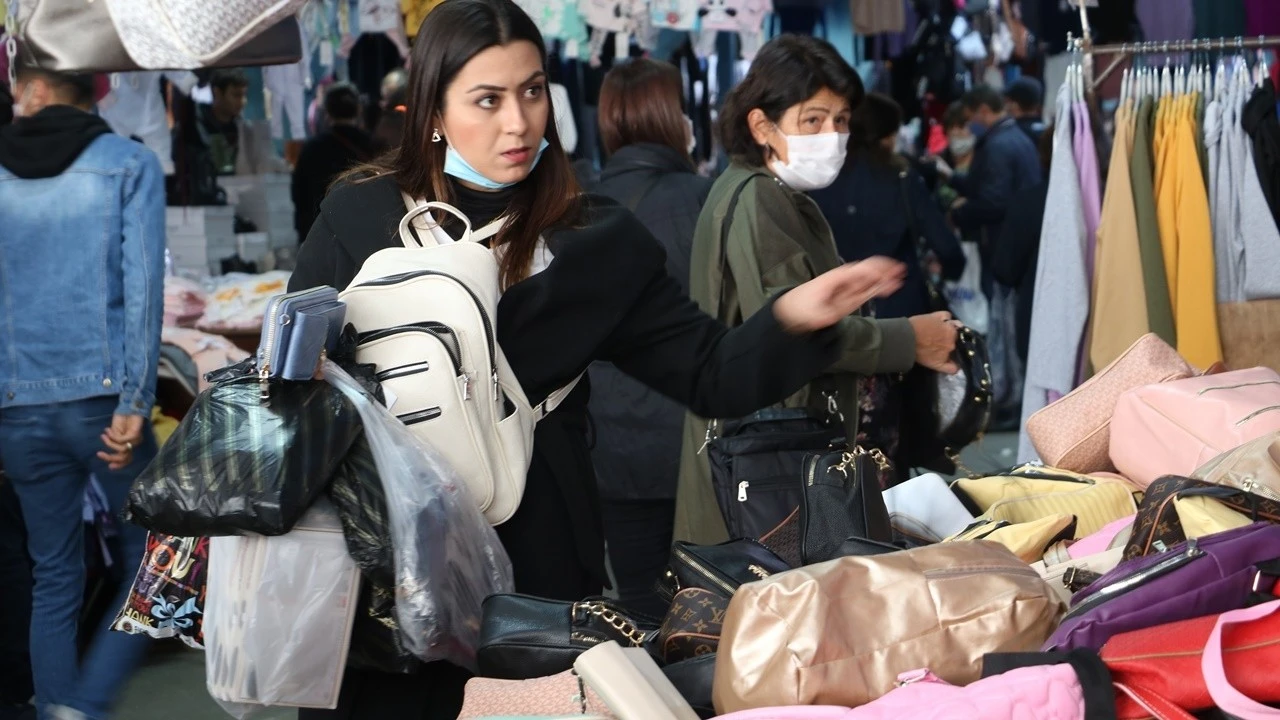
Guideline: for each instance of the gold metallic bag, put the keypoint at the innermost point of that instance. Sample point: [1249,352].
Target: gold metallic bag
[839,633]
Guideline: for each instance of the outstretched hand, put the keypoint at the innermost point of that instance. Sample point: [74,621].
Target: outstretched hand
[836,294]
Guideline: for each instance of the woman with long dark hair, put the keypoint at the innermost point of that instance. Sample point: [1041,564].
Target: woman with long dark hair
[583,281]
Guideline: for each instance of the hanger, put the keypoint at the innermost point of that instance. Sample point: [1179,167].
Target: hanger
[1264,72]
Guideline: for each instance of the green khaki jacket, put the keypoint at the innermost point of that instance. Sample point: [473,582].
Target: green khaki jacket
[777,239]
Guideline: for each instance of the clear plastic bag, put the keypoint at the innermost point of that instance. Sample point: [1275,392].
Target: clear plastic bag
[278,616]
[448,558]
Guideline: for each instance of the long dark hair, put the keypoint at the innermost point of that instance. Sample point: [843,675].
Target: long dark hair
[452,34]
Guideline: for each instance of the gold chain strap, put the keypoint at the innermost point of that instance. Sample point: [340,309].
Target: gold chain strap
[615,621]
[851,456]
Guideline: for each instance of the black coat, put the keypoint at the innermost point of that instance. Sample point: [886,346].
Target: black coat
[322,160]
[606,296]
[867,208]
[1259,120]
[637,430]
[1005,161]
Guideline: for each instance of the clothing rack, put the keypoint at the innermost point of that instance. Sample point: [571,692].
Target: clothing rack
[1160,47]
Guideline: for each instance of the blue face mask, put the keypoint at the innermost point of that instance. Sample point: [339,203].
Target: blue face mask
[459,168]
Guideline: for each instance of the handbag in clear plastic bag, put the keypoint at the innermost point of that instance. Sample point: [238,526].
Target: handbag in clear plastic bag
[448,558]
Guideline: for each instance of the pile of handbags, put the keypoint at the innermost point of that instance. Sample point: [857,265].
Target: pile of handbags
[1133,575]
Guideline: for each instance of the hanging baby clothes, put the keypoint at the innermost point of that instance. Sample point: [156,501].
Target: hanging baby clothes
[1119,315]
[674,14]
[135,107]
[1062,288]
[751,16]
[286,86]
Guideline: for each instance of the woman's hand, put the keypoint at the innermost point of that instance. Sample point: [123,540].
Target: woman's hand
[834,295]
[936,341]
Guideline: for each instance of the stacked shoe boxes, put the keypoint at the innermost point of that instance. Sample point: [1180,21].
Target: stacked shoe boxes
[200,238]
[267,202]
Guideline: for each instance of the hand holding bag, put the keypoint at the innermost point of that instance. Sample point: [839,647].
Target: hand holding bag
[943,414]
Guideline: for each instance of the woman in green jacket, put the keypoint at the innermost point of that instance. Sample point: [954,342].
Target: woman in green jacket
[786,127]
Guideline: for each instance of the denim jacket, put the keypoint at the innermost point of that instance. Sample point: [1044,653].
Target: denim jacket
[82,279]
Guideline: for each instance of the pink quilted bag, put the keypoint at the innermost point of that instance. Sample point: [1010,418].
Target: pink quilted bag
[1074,433]
[1050,692]
[1176,427]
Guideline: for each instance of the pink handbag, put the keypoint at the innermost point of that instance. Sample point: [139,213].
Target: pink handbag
[1049,692]
[1176,427]
[1074,432]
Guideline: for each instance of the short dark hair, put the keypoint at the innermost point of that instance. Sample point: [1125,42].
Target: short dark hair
[342,102]
[983,96]
[956,116]
[72,88]
[878,117]
[225,79]
[788,70]
[1027,93]
[640,102]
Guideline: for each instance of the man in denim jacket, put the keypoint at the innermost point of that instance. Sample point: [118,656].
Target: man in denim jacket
[81,303]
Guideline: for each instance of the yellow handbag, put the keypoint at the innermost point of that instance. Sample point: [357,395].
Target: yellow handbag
[1033,492]
[1027,540]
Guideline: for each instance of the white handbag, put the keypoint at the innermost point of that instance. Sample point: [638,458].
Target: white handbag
[925,508]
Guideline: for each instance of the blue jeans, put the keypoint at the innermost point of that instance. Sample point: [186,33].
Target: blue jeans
[48,453]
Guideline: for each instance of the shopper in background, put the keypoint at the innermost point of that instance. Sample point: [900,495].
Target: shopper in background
[389,128]
[955,159]
[324,157]
[637,452]
[877,201]
[1005,161]
[222,133]
[1025,98]
[82,251]
[786,129]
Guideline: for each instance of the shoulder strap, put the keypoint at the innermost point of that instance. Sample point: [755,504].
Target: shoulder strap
[555,399]
[726,266]
[633,202]
[1225,696]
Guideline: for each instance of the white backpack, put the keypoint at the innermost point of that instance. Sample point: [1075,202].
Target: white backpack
[425,315]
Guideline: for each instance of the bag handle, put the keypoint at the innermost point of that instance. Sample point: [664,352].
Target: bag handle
[411,240]
[1159,707]
[1226,697]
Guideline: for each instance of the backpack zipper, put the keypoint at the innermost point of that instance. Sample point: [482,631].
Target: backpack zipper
[706,574]
[447,337]
[484,317]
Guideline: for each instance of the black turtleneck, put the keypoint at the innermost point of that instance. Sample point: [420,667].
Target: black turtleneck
[480,206]
[45,144]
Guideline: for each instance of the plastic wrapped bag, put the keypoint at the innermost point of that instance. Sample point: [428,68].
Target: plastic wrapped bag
[240,463]
[965,297]
[278,616]
[447,557]
[167,599]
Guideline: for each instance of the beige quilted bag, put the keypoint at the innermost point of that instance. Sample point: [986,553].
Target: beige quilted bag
[1074,433]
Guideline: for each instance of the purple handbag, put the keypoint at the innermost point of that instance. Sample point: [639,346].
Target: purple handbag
[1208,576]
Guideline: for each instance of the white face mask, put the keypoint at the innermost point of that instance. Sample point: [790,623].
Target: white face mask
[962,145]
[693,139]
[813,161]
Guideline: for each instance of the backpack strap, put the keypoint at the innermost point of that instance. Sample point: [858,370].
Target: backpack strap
[411,239]
[555,400]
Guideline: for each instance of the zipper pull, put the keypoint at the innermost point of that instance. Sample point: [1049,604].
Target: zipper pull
[706,440]
[1193,548]
[497,394]
[1160,546]
[466,386]
[264,374]
[742,490]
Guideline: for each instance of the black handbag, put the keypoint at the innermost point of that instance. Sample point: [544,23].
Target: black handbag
[693,679]
[756,463]
[524,637]
[721,569]
[842,500]
[942,414]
